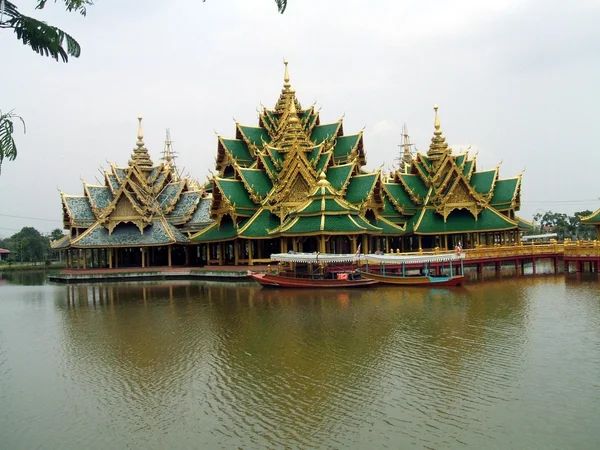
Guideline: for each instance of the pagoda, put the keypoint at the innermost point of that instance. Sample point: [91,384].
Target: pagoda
[294,184]
[141,216]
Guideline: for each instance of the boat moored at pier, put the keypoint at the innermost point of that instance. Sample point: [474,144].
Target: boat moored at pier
[415,269]
[313,270]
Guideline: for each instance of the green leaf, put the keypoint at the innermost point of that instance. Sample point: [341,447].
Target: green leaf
[8,148]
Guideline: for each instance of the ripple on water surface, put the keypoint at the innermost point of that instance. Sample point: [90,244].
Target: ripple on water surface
[216,365]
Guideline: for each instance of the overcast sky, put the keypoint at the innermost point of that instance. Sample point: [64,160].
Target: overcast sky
[517,80]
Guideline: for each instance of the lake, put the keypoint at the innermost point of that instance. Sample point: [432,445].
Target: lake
[506,363]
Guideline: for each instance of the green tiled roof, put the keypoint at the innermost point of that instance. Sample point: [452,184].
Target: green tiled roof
[430,222]
[79,208]
[344,145]
[215,232]
[459,159]
[325,205]
[323,160]
[323,132]
[524,225]
[482,182]
[239,150]
[467,167]
[504,191]
[260,224]
[235,192]
[269,165]
[276,156]
[313,154]
[415,183]
[592,219]
[360,187]
[338,175]
[255,135]
[100,196]
[399,194]
[129,235]
[388,228]
[342,224]
[258,180]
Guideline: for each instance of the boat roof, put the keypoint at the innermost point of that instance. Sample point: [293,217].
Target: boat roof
[315,258]
[413,258]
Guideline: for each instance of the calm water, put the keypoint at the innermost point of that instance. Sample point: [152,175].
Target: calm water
[512,363]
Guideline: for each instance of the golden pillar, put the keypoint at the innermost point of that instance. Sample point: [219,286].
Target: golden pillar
[236,251]
[143,250]
[169,256]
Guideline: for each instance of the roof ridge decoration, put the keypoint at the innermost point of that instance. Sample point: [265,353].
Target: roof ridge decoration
[140,157]
[287,94]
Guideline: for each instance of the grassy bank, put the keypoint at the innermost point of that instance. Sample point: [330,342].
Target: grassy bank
[5,267]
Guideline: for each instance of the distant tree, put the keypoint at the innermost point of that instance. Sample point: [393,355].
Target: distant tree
[28,245]
[56,234]
[281,5]
[579,230]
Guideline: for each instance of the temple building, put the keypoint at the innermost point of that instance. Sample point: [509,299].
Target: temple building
[294,184]
[141,216]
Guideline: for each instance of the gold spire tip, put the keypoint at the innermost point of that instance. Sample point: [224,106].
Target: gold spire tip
[140,134]
[286,76]
[437,121]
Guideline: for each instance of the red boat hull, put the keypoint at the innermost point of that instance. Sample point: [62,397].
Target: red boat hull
[279,281]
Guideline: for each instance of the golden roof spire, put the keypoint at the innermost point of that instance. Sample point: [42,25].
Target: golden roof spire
[286,76]
[140,135]
[140,156]
[438,146]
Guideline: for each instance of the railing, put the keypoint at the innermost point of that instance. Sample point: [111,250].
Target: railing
[507,251]
[582,249]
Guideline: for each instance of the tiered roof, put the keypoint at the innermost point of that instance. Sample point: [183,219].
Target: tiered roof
[439,193]
[141,204]
[291,175]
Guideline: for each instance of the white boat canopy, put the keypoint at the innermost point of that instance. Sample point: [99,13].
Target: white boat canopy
[390,258]
[315,258]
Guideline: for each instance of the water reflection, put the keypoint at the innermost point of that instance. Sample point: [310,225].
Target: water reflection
[24,277]
[272,367]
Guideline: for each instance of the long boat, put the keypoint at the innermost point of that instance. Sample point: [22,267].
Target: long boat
[398,269]
[313,270]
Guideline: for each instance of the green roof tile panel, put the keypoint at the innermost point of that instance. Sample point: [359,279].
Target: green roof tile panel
[323,160]
[236,193]
[399,194]
[344,145]
[260,224]
[504,191]
[592,219]
[461,221]
[168,195]
[467,167]
[258,180]
[239,150]
[360,187]
[185,205]
[255,135]
[482,182]
[324,132]
[338,175]
[415,183]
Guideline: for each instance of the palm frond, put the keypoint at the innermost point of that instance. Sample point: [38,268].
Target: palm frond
[45,39]
[281,5]
[8,148]
[71,5]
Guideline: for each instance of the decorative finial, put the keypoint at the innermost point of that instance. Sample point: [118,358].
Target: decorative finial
[438,131]
[322,180]
[286,76]
[140,135]
[293,111]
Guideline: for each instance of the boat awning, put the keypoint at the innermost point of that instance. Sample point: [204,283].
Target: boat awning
[316,258]
[414,259]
